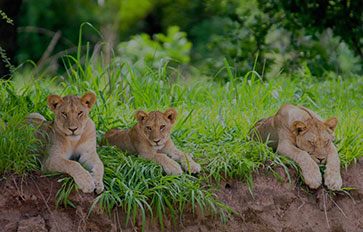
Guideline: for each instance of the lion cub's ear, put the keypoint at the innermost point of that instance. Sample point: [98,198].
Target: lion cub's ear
[140,115]
[171,114]
[88,100]
[54,101]
[298,128]
[331,123]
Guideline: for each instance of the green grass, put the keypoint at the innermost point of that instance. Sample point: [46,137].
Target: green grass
[213,124]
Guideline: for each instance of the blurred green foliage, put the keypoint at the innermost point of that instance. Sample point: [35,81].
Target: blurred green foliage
[279,34]
[237,30]
[321,31]
[141,51]
[40,19]
[343,17]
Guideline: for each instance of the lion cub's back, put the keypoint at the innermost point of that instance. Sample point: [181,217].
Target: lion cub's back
[290,113]
[45,130]
[119,138]
[264,130]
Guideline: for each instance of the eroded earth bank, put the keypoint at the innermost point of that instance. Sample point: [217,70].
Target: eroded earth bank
[30,205]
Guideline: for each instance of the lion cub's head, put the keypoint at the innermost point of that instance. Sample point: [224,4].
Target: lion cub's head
[71,112]
[315,137]
[156,126]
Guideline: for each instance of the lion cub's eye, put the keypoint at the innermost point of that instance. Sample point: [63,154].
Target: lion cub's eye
[148,128]
[312,143]
[80,114]
[326,142]
[64,114]
[162,127]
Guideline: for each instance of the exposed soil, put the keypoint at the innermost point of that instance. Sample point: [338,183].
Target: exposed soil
[29,205]
[281,207]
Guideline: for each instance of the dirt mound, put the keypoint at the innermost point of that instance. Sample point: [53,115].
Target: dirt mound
[278,206]
[30,206]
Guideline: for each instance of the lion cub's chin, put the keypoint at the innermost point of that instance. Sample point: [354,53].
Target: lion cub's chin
[73,137]
[158,147]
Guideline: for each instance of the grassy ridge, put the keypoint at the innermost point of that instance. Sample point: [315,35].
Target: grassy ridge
[213,124]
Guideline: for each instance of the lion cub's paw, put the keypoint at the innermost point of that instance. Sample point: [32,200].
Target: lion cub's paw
[85,182]
[312,177]
[172,168]
[333,181]
[99,186]
[194,167]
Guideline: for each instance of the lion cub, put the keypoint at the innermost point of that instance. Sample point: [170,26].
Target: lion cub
[301,135]
[71,135]
[150,138]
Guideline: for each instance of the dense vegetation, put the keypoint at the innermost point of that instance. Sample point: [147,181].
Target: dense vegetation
[213,124]
[222,64]
[285,34]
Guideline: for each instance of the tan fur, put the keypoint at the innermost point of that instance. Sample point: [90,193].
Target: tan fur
[300,134]
[70,135]
[150,138]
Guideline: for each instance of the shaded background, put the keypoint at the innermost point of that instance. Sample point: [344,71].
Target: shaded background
[270,36]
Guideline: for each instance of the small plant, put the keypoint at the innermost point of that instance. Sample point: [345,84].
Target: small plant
[65,190]
[3,55]
[6,18]
[6,60]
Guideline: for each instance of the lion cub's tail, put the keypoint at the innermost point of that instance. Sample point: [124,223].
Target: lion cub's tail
[35,119]
[35,116]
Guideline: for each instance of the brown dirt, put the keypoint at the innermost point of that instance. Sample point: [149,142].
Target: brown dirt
[29,205]
[281,207]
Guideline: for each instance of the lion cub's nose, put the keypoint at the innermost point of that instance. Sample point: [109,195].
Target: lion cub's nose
[321,160]
[73,129]
[156,141]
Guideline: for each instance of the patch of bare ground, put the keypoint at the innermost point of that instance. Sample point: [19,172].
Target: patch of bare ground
[29,205]
[279,206]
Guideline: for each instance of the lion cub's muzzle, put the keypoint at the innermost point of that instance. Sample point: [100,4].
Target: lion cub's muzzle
[318,159]
[74,131]
[157,143]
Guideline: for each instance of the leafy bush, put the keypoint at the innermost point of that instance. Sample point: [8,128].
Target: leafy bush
[234,30]
[142,51]
[291,51]
[318,33]
[316,16]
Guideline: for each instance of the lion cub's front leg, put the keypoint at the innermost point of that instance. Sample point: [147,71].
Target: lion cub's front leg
[186,160]
[170,166]
[310,169]
[90,158]
[56,162]
[332,177]
[93,162]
